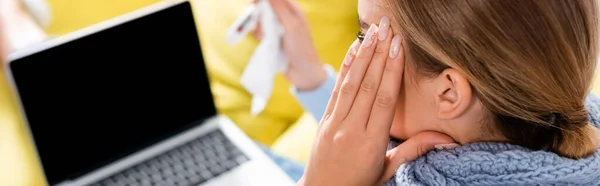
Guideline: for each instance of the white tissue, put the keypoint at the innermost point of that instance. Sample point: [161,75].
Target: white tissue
[268,58]
[40,11]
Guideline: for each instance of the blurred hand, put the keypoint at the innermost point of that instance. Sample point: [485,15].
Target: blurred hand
[10,8]
[305,69]
[17,27]
[351,144]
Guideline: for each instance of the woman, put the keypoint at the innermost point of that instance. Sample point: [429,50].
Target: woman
[506,80]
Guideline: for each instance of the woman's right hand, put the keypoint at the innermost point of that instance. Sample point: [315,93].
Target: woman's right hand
[351,143]
[305,69]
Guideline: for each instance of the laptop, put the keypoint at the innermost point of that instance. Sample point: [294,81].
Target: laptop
[128,102]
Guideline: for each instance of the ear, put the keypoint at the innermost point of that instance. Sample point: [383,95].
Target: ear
[452,94]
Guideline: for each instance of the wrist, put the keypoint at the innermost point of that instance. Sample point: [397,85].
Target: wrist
[301,182]
[310,79]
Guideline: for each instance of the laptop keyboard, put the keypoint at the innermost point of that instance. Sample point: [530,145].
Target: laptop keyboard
[192,163]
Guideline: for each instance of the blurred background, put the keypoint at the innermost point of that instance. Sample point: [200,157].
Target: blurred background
[70,15]
[18,165]
[288,132]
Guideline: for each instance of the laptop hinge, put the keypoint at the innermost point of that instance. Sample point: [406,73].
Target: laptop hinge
[64,183]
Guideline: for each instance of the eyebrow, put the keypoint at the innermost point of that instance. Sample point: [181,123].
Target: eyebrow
[362,23]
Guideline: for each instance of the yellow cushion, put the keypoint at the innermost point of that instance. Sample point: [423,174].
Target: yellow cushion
[18,164]
[69,15]
[333,29]
[297,141]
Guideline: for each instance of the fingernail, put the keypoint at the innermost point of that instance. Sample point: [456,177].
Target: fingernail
[446,146]
[384,26]
[350,56]
[395,46]
[370,37]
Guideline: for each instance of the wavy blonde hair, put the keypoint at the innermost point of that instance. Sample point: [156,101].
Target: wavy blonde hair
[530,62]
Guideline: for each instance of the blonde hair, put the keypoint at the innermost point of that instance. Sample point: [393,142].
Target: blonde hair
[531,63]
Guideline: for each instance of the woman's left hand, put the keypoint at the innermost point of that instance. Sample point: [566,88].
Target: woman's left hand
[305,70]
[351,143]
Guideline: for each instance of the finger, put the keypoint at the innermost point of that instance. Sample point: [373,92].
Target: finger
[293,4]
[382,112]
[350,55]
[361,109]
[350,85]
[410,150]
[285,13]
[258,31]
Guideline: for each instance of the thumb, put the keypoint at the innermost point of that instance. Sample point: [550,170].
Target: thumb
[411,149]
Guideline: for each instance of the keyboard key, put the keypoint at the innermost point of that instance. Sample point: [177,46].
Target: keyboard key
[195,179]
[190,171]
[189,163]
[164,163]
[170,182]
[146,183]
[211,162]
[167,172]
[206,174]
[152,161]
[241,159]
[205,144]
[130,172]
[145,176]
[130,181]
[183,182]
[119,177]
[179,177]
[229,165]
[107,182]
[159,183]
[220,149]
[156,178]
[222,157]
[216,169]
[178,168]
[201,167]
[234,152]
[173,154]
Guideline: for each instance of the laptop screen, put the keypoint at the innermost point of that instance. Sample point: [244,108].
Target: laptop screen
[99,98]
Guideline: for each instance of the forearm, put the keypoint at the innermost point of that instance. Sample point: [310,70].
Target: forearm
[315,101]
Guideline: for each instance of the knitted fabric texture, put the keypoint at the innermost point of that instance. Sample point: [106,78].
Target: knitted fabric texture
[502,164]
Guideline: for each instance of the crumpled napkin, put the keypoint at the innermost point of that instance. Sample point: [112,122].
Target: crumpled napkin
[40,11]
[268,58]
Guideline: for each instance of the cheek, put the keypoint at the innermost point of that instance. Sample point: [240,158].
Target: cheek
[397,130]
[409,117]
